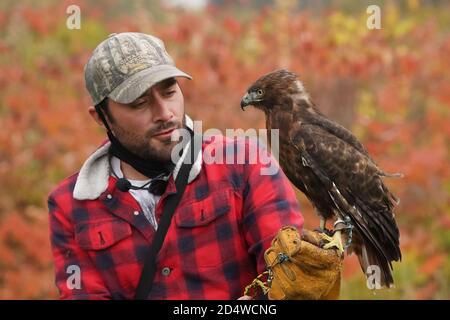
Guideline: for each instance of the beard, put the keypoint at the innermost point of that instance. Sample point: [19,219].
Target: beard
[145,145]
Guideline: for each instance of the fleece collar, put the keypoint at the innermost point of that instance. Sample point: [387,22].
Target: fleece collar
[93,177]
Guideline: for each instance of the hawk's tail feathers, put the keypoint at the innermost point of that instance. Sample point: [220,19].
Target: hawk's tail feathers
[377,269]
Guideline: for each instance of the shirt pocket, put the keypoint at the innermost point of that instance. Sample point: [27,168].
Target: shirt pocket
[206,230]
[203,212]
[101,235]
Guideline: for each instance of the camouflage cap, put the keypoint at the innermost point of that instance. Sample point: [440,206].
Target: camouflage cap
[125,65]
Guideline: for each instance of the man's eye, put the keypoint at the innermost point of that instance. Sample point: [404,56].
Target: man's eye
[170,93]
[138,104]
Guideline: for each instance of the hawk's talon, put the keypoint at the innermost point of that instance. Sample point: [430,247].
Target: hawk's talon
[333,242]
[324,231]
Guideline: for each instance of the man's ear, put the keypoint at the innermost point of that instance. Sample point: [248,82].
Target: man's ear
[95,116]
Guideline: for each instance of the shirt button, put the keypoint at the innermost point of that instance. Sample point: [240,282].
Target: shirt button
[109,196]
[136,213]
[165,271]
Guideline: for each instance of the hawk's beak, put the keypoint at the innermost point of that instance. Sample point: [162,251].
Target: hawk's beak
[247,99]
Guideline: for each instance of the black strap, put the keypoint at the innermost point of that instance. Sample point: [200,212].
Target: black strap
[148,272]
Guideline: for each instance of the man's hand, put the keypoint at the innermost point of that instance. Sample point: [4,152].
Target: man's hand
[301,269]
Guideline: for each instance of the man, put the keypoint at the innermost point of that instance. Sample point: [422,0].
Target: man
[101,231]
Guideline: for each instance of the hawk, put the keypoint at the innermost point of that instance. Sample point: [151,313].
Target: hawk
[334,170]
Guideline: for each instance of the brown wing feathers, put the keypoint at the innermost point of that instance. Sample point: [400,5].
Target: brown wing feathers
[333,162]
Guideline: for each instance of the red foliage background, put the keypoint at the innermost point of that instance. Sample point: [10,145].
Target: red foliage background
[390,86]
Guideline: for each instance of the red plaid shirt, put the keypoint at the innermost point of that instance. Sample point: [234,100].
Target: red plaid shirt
[214,246]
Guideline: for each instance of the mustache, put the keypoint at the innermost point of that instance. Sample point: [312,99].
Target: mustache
[163,127]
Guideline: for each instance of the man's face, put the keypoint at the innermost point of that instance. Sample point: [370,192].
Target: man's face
[146,125]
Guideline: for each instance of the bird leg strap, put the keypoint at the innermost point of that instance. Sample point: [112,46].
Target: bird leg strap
[345,224]
[264,285]
[298,268]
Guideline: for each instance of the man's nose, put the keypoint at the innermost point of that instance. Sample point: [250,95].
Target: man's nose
[161,111]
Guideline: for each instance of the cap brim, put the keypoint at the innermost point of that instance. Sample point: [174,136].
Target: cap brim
[135,86]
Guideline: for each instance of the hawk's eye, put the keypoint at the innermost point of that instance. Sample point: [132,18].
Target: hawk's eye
[260,92]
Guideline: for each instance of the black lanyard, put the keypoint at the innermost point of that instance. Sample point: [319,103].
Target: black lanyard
[149,270]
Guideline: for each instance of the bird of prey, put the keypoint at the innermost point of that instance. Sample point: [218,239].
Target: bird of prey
[334,170]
